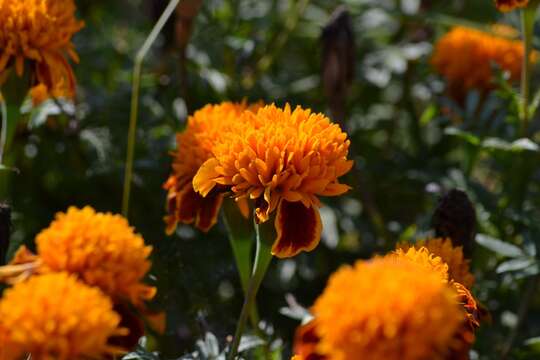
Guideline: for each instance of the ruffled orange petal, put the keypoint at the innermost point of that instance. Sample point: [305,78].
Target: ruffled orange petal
[186,206]
[298,229]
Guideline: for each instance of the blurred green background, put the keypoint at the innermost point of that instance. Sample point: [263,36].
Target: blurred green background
[407,151]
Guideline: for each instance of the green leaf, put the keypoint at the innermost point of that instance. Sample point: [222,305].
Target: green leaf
[534,343]
[51,107]
[428,114]
[515,265]
[464,135]
[498,246]
[250,342]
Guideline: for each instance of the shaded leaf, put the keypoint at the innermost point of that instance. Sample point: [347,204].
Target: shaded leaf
[515,265]
[499,246]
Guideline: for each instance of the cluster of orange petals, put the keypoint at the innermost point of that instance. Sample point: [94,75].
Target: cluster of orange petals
[509,5]
[39,32]
[55,316]
[101,249]
[282,160]
[406,312]
[195,146]
[410,308]
[458,265]
[464,57]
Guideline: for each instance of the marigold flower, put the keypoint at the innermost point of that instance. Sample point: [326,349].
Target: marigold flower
[458,266]
[434,259]
[40,32]
[55,316]
[464,56]
[195,146]
[101,248]
[509,5]
[282,160]
[386,308]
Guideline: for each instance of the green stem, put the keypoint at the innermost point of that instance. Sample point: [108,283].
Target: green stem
[241,237]
[139,58]
[527,23]
[263,256]
[3,136]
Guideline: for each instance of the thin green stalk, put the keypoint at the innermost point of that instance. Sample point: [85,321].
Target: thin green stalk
[3,136]
[263,257]
[527,23]
[137,67]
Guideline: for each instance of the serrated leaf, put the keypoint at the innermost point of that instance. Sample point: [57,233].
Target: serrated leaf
[499,246]
[515,265]
[40,114]
[248,342]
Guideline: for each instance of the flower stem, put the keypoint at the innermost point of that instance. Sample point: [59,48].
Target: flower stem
[139,58]
[263,257]
[3,136]
[527,23]
[241,237]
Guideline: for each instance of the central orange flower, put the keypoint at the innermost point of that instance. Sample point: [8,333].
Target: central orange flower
[282,159]
[195,146]
[40,32]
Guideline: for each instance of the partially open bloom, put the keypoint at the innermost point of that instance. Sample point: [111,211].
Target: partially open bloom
[509,5]
[101,249]
[55,316]
[386,308]
[38,33]
[195,146]
[458,266]
[464,57]
[282,159]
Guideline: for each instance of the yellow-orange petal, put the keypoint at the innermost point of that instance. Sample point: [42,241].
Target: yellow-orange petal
[204,180]
[39,94]
[298,229]
[243,206]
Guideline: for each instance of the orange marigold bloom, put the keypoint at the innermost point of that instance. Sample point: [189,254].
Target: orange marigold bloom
[509,5]
[458,266]
[464,56]
[55,316]
[442,250]
[386,308]
[40,32]
[195,146]
[101,248]
[282,159]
